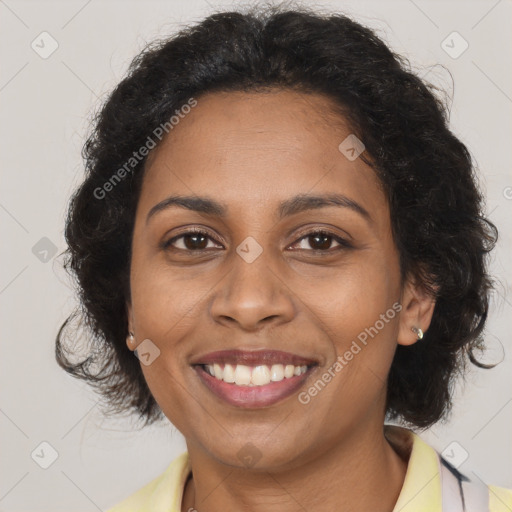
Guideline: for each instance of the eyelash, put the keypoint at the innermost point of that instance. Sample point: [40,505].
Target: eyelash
[343,244]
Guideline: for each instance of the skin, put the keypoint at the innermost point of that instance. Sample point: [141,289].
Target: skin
[250,151]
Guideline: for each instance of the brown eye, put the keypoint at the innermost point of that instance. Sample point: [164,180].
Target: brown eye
[193,241]
[321,241]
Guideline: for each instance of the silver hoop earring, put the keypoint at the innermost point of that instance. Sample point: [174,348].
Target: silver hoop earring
[418,332]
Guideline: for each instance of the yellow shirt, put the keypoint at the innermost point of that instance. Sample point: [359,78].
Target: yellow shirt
[421,491]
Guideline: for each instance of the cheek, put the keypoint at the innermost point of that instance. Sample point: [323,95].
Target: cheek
[164,300]
[165,310]
[359,311]
[353,295]
[171,392]
[358,308]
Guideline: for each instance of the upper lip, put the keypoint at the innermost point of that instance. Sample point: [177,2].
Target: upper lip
[253,358]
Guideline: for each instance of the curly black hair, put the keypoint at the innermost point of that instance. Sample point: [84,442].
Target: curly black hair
[436,206]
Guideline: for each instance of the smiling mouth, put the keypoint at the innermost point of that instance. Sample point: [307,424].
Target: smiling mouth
[253,387]
[253,379]
[261,375]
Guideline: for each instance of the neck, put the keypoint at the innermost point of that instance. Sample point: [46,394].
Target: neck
[361,473]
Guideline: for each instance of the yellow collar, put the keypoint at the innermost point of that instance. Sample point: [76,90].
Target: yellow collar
[421,490]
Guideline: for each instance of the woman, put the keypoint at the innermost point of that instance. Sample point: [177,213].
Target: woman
[277,221]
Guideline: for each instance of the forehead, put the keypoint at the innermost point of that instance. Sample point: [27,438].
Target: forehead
[252,148]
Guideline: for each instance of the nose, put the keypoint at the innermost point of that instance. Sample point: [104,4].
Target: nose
[253,295]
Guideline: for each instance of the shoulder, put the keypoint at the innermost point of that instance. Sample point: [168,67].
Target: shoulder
[159,493]
[432,484]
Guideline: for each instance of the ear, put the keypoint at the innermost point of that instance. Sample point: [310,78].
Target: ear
[417,310]
[129,315]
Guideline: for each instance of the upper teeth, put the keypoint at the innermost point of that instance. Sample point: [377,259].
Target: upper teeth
[242,375]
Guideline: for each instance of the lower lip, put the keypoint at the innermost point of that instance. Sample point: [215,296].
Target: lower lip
[252,396]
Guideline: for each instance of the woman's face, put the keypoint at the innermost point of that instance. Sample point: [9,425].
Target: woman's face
[260,277]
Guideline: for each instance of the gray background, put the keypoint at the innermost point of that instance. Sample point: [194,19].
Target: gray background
[46,104]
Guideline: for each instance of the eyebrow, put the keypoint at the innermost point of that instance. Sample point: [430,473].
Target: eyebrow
[292,206]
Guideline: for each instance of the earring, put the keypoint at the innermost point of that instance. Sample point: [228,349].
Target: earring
[131,338]
[418,332]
